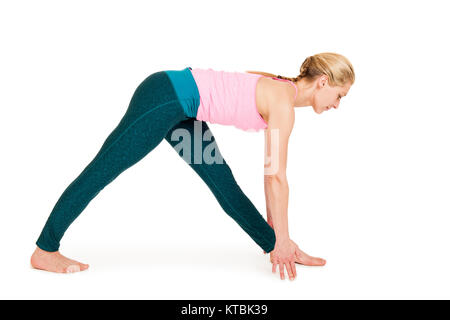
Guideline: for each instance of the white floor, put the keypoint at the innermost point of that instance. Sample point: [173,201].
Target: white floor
[222,274]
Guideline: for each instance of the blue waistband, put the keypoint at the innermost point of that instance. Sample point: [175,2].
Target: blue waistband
[186,89]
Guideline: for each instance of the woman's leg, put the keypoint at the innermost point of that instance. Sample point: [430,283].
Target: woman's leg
[219,178]
[153,110]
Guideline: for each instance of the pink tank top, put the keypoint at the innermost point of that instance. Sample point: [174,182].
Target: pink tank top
[229,98]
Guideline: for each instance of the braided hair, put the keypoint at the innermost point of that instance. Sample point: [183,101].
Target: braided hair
[303,71]
[337,67]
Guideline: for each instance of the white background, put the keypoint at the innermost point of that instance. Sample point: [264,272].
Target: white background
[369,182]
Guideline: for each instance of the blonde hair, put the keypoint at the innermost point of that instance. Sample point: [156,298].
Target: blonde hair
[337,67]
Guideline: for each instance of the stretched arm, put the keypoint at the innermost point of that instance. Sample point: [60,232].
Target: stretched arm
[276,186]
[286,252]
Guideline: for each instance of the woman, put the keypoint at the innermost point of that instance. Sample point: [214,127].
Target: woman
[178,103]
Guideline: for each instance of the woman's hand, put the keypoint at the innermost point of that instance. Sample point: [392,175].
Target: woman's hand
[284,255]
[301,258]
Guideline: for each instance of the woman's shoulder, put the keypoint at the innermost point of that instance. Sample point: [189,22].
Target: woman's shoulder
[280,92]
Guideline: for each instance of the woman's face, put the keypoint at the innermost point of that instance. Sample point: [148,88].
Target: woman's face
[327,97]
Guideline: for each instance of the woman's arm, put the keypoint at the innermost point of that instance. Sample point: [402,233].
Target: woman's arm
[276,186]
[286,252]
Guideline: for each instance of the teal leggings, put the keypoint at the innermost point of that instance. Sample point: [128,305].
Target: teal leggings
[153,115]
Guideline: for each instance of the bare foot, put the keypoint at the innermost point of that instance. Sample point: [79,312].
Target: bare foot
[55,262]
[306,260]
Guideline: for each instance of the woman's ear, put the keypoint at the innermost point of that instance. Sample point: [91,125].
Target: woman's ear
[323,80]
